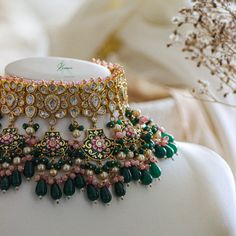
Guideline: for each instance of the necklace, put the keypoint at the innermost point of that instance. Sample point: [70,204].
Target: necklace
[90,161]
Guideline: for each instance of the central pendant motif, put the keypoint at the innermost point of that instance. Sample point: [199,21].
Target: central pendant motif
[96,145]
[52,145]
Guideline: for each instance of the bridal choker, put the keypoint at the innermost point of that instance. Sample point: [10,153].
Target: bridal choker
[97,158]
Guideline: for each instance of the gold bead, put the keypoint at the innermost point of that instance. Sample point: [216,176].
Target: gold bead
[141,157]
[78,161]
[5,165]
[27,150]
[136,113]
[30,130]
[16,160]
[149,152]
[157,135]
[117,127]
[76,133]
[41,167]
[53,172]
[66,167]
[103,175]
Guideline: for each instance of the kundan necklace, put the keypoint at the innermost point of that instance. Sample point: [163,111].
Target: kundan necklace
[95,163]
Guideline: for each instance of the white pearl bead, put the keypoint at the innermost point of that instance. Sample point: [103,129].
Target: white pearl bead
[136,112]
[76,133]
[16,160]
[5,165]
[41,167]
[78,161]
[130,154]
[89,172]
[121,155]
[66,167]
[104,175]
[30,130]
[27,150]
[115,169]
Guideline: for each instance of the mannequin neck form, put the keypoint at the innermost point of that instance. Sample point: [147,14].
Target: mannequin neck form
[56,69]
[187,201]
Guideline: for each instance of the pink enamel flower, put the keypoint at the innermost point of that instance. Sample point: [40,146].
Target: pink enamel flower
[7,138]
[53,144]
[98,144]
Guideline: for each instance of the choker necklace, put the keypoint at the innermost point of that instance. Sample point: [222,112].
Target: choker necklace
[90,160]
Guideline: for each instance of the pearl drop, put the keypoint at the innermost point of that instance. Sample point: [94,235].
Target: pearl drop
[30,130]
[27,150]
[16,160]
[66,167]
[41,167]
[53,172]
[149,152]
[5,165]
[76,133]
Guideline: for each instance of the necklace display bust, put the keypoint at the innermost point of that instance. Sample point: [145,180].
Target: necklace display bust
[196,194]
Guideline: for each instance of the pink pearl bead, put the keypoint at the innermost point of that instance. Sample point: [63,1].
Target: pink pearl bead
[142,167]
[37,178]
[72,175]
[115,179]
[8,172]
[2,173]
[11,168]
[71,142]
[64,178]
[143,119]
[20,168]
[127,164]
[50,181]
[119,134]
[77,170]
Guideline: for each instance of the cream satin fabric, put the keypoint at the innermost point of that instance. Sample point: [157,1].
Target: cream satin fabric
[137,32]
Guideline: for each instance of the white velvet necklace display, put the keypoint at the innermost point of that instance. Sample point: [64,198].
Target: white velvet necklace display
[196,195]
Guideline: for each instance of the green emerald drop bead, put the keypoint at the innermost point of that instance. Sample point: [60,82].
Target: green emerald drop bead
[125,172]
[119,122]
[5,183]
[146,177]
[135,172]
[105,194]
[169,151]
[173,146]
[79,181]
[28,169]
[69,188]
[41,188]
[92,192]
[119,189]
[148,137]
[16,178]
[159,152]
[154,170]
[56,193]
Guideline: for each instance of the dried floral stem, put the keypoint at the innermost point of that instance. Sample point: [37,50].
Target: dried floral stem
[211,44]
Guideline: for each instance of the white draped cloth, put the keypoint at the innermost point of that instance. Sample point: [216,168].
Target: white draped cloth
[138,32]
